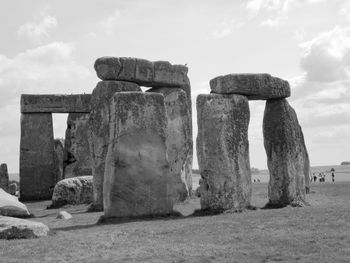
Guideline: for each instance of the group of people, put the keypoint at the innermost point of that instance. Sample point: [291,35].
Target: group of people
[321,177]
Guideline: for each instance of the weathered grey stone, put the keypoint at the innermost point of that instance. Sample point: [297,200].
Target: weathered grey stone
[15,228]
[254,86]
[99,131]
[188,170]
[13,189]
[55,103]
[4,177]
[137,174]
[64,215]
[73,191]
[179,139]
[287,157]
[37,164]
[10,206]
[141,71]
[77,159]
[59,153]
[223,151]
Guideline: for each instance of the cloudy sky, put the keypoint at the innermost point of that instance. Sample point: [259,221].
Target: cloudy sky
[50,47]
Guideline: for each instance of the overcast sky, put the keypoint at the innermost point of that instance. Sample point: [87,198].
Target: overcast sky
[51,46]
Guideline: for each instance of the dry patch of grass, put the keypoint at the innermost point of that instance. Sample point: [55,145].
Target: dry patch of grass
[317,233]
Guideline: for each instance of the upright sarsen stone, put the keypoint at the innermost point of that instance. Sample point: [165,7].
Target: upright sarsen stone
[77,159]
[37,161]
[287,157]
[4,177]
[137,174]
[179,138]
[59,153]
[99,131]
[223,151]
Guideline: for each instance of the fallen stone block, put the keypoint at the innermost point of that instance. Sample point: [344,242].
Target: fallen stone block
[254,86]
[73,191]
[10,206]
[15,228]
[64,215]
[223,152]
[137,175]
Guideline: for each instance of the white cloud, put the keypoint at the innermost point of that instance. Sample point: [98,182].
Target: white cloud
[326,58]
[345,10]
[276,10]
[321,95]
[46,69]
[37,31]
[225,28]
[108,24]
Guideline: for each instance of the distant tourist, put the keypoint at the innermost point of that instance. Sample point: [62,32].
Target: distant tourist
[315,178]
[333,175]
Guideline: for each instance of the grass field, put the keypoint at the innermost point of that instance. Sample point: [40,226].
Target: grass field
[317,233]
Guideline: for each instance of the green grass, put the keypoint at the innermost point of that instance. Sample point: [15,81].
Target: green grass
[317,233]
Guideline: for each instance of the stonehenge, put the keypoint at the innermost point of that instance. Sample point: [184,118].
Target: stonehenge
[38,168]
[224,158]
[89,128]
[129,153]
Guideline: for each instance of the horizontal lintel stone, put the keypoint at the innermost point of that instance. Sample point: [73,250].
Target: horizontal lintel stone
[254,86]
[141,71]
[55,103]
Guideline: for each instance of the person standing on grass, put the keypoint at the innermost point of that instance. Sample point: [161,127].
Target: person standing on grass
[333,175]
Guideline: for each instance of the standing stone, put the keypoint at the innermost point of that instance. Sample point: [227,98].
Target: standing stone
[37,161]
[59,153]
[13,188]
[287,157]
[99,131]
[223,151]
[77,159]
[4,177]
[179,140]
[137,174]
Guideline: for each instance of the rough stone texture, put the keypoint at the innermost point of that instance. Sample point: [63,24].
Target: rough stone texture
[64,215]
[141,71]
[14,228]
[37,161]
[137,174]
[179,139]
[79,103]
[4,177]
[223,151]
[10,206]
[188,169]
[254,86]
[13,189]
[59,153]
[73,191]
[287,157]
[77,159]
[99,131]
